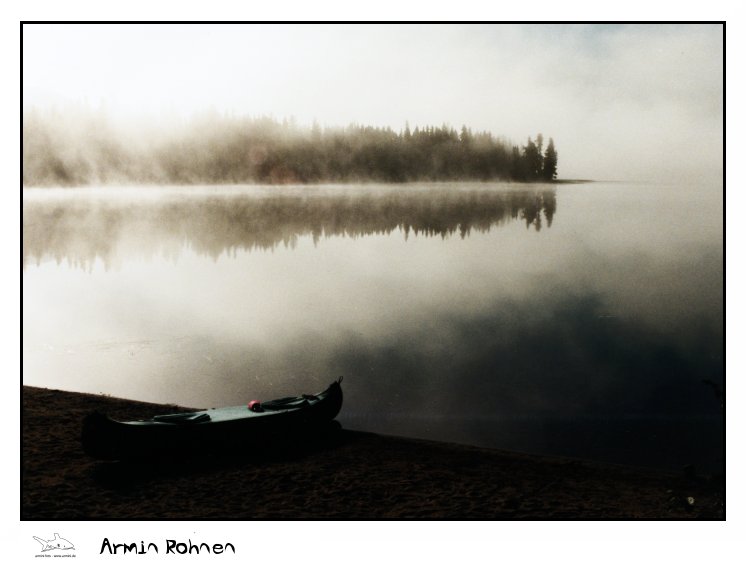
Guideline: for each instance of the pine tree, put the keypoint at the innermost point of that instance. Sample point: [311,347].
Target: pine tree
[550,162]
[466,136]
[533,160]
[517,165]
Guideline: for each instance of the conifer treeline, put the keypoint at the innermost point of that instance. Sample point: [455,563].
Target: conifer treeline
[221,150]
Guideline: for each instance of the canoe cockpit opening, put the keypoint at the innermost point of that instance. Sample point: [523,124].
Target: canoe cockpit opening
[188,418]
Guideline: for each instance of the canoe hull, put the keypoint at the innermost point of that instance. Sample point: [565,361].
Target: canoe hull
[105,438]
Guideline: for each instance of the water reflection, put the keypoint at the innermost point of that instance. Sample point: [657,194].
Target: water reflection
[568,383]
[81,229]
[593,339]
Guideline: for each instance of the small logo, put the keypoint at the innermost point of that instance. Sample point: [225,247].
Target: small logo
[56,543]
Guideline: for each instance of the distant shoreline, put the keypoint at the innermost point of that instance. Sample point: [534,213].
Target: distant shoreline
[85,148]
[331,183]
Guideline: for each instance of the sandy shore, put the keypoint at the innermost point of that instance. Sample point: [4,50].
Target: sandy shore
[347,475]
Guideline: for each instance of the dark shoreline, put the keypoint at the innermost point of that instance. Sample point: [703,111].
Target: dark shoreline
[348,475]
[258,183]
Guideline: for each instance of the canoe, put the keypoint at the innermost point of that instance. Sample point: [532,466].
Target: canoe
[254,427]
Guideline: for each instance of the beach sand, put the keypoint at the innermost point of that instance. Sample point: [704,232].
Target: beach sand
[345,475]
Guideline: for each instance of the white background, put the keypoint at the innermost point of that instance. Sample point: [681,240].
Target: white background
[371,544]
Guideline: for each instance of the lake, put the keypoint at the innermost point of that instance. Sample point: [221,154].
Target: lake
[574,319]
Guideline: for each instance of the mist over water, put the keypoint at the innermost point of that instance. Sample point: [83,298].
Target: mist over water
[578,320]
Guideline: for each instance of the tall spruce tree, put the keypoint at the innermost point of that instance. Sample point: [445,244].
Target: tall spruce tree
[533,160]
[550,162]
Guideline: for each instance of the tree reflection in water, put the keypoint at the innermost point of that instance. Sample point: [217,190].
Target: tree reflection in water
[80,229]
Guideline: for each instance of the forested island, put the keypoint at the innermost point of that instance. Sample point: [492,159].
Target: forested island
[224,149]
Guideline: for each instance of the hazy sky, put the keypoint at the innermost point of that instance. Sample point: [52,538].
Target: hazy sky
[621,102]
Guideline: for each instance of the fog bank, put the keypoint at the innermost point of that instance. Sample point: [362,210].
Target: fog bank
[622,102]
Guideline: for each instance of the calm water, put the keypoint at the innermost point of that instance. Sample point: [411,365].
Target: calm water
[571,320]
